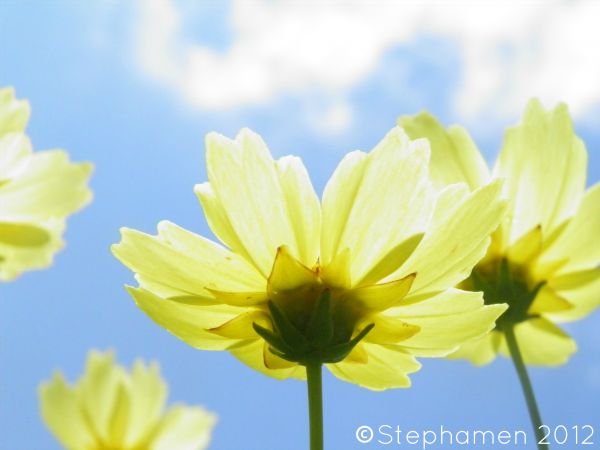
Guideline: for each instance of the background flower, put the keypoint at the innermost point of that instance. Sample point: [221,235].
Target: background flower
[110,408]
[549,237]
[37,193]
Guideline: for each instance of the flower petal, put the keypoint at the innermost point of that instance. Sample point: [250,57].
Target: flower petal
[251,353]
[248,185]
[184,428]
[180,262]
[547,300]
[581,290]
[387,368]
[14,114]
[388,330]
[544,164]
[241,327]
[542,343]
[579,241]
[454,156]
[379,297]
[188,322]
[147,395]
[449,250]
[480,351]
[62,414]
[374,202]
[446,320]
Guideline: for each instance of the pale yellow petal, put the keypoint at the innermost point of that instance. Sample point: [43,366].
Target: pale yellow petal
[182,262]
[388,330]
[579,241]
[251,353]
[548,300]
[50,186]
[273,361]
[148,393]
[446,320]
[449,250]
[454,156]
[527,247]
[99,392]
[581,290]
[241,327]
[379,297]
[184,428]
[388,367]
[62,414]
[15,153]
[373,203]
[542,343]
[247,183]
[188,322]
[480,351]
[544,164]
[14,114]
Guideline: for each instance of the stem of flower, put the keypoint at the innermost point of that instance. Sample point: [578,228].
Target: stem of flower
[315,404]
[534,412]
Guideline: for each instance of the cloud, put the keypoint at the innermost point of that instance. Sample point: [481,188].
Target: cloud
[509,51]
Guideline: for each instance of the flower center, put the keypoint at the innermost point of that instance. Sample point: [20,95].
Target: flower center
[504,282]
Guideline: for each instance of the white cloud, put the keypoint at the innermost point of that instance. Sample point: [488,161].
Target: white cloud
[509,51]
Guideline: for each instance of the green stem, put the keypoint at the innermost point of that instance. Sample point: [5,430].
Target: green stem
[517,359]
[315,405]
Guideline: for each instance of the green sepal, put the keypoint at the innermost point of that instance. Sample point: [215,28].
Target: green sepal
[286,329]
[338,352]
[320,327]
[272,339]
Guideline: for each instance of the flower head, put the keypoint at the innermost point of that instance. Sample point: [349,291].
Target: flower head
[361,280]
[543,259]
[112,409]
[37,192]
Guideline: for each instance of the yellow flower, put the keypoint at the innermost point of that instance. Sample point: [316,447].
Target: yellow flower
[111,409]
[37,192]
[547,249]
[362,279]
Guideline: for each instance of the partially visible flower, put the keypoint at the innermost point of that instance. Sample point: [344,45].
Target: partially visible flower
[112,409]
[37,192]
[361,281]
[544,258]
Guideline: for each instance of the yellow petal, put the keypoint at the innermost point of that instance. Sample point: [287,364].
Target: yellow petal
[303,207]
[273,361]
[180,262]
[189,323]
[450,249]
[542,343]
[14,114]
[251,353]
[548,301]
[147,394]
[527,247]
[379,297]
[337,272]
[579,241]
[544,164]
[375,202]
[15,154]
[581,289]
[99,392]
[446,320]
[62,414]
[389,330]
[184,428]
[289,274]
[50,186]
[480,351]
[239,298]
[454,156]
[358,355]
[240,327]
[247,183]
[388,367]
[23,235]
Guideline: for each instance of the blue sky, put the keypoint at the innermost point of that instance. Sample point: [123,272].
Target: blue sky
[92,94]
